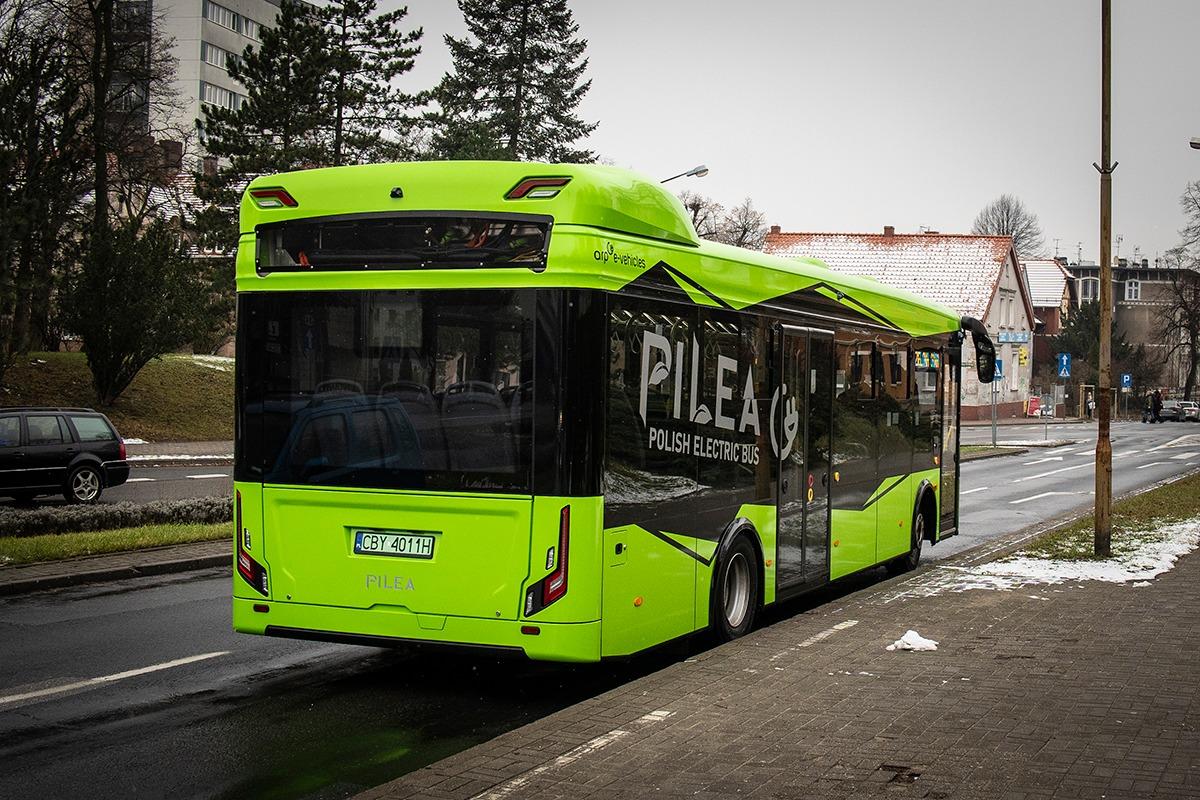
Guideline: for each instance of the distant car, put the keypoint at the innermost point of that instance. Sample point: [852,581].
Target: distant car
[1172,410]
[1191,410]
[73,451]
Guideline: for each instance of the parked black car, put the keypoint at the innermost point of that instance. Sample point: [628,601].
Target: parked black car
[75,451]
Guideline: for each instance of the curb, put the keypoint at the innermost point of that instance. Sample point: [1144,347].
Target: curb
[8,589]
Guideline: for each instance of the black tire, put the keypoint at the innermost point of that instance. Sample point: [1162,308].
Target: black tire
[735,590]
[85,485]
[909,562]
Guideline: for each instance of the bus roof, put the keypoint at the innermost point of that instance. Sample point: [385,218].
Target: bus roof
[635,209]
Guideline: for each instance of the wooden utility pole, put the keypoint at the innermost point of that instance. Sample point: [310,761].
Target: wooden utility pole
[1103,512]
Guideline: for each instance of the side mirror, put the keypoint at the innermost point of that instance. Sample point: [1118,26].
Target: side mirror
[985,351]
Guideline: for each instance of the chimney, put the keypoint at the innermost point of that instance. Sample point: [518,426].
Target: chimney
[889,230]
[172,156]
[775,229]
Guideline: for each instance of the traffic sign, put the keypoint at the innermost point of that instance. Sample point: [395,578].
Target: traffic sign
[1126,380]
[999,370]
[1064,365]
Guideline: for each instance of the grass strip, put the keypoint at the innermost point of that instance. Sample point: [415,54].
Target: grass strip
[1135,520]
[56,546]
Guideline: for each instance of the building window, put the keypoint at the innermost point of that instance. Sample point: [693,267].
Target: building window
[1133,290]
[1089,289]
[226,18]
[218,57]
[218,96]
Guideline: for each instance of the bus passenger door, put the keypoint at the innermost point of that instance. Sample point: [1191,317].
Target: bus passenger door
[801,425]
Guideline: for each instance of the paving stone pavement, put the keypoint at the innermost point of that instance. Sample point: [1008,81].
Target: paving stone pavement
[1090,691]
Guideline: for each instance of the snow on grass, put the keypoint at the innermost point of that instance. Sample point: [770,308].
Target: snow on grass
[219,363]
[180,457]
[135,440]
[1142,557]
[913,641]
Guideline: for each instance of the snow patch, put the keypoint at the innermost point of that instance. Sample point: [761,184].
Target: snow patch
[1137,565]
[219,363]
[913,641]
[179,457]
[135,440]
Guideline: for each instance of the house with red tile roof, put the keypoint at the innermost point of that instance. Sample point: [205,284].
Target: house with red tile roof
[977,276]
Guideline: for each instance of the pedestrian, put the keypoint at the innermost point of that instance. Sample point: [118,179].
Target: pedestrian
[1157,406]
[1091,405]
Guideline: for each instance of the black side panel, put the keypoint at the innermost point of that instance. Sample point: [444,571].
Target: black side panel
[570,373]
[688,415]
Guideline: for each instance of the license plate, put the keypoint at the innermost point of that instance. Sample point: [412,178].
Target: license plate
[389,543]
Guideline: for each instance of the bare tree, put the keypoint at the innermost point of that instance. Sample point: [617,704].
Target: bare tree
[741,226]
[1179,324]
[1008,216]
[706,213]
[744,226]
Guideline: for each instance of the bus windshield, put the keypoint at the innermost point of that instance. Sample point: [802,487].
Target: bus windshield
[386,389]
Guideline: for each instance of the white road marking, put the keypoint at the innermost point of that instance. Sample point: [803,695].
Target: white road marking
[119,676]
[1154,464]
[817,637]
[1042,460]
[1182,456]
[208,475]
[1051,472]
[139,480]
[1035,497]
[973,491]
[587,748]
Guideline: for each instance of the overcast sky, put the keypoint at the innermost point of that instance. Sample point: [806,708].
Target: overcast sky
[849,115]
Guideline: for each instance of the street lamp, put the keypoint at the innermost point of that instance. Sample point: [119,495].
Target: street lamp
[695,172]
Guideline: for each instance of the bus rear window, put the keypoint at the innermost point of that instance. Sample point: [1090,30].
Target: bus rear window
[402,241]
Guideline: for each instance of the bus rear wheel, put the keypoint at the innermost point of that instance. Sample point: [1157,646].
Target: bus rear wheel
[735,591]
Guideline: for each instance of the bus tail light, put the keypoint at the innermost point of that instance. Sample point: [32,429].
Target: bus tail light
[537,188]
[251,571]
[273,197]
[552,587]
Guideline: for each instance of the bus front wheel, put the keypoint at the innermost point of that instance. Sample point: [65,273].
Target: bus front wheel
[735,590]
[909,561]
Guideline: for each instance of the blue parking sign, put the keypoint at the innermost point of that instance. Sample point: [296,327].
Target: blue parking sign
[1126,380]
[1064,365]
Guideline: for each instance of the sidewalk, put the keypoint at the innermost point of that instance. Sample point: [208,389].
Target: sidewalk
[1076,690]
[987,423]
[114,566]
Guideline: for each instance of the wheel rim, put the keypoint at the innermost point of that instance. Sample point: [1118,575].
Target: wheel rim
[737,590]
[85,485]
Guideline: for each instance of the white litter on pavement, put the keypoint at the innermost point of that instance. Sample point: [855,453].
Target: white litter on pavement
[913,641]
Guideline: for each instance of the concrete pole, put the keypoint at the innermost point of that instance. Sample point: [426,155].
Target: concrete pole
[1103,513]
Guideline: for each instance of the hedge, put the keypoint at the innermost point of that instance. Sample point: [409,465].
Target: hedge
[104,516]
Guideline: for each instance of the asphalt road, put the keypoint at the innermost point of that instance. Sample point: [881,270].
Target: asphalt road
[140,689]
[1005,494]
[146,483]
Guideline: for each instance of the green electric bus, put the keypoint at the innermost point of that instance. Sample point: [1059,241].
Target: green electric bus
[524,406]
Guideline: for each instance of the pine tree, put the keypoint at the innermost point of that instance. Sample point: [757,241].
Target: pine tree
[515,85]
[282,125]
[369,115]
